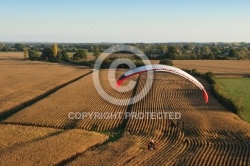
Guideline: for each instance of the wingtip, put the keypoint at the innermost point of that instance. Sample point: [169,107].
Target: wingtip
[205,95]
[118,83]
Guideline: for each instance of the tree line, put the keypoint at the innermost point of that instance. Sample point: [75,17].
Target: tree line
[152,50]
[53,54]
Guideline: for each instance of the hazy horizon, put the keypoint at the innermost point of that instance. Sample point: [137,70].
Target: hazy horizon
[125,22]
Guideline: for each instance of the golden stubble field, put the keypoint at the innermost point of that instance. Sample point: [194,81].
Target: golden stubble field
[22,81]
[206,134]
[218,67]
[43,146]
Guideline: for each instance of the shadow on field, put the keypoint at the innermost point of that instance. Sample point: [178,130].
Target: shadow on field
[71,124]
[6,114]
[56,133]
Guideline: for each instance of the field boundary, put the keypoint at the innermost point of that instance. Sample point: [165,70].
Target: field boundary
[223,100]
[6,114]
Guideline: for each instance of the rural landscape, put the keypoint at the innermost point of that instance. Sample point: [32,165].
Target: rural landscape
[110,83]
[37,97]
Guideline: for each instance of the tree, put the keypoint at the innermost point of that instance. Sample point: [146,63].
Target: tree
[1,46]
[47,54]
[80,54]
[162,49]
[25,53]
[65,55]
[211,56]
[19,47]
[33,55]
[187,47]
[215,50]
[6,49]
[54,49]
[96,51]
[232,53]
[166,62]
[172,52]
[197,51]
[243,53]
[205,51]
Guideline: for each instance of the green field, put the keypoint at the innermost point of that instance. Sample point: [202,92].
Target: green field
[238,89]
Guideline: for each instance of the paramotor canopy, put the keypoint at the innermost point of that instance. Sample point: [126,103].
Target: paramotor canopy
[164,68]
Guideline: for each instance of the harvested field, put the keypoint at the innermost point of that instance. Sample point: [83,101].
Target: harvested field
[206,133]
[80,96]
[52,149]
[223,68]
[14,134]
[21,81]
[11,56]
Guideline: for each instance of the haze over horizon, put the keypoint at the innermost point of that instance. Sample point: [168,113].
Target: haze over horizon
[127,21]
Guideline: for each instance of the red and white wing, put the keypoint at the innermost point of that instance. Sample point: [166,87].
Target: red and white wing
[164,68]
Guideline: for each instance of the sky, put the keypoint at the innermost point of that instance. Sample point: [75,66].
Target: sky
[148,21]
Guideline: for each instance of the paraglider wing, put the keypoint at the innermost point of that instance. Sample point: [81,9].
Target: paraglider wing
[164,68]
